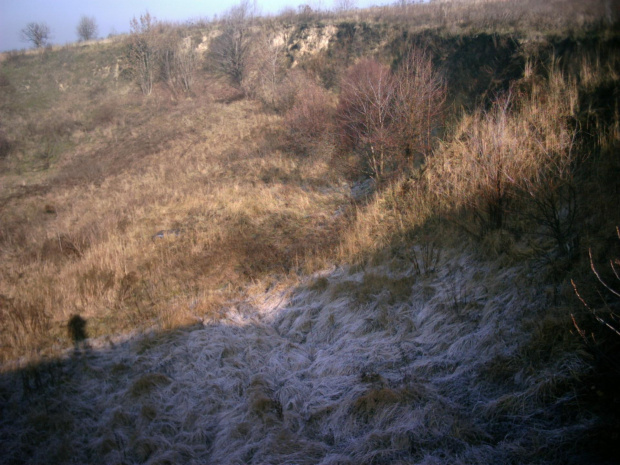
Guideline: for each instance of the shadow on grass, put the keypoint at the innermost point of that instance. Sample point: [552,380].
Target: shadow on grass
[317,381]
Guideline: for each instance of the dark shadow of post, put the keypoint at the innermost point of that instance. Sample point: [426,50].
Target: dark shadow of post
[76,327]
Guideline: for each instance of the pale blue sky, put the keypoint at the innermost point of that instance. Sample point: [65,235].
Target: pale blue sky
[62,16]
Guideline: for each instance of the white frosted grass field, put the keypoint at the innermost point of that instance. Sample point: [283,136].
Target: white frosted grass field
[437,368]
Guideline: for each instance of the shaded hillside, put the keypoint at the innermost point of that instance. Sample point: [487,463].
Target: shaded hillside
[462,364]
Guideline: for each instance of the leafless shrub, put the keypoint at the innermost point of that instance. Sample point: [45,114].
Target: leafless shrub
[551,187]
[304,12]
[310,119]
[186,62]
[425,258]
[87,28]
[607,316]
[598,326]
[328,70]
[178,61]
[36,33]
[391,117]
[290,88]
[343,6]
[420,95]
[487,158]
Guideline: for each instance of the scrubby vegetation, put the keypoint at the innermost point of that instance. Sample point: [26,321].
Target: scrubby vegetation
[358,240]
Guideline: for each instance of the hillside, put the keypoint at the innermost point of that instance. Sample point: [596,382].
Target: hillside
[378,236]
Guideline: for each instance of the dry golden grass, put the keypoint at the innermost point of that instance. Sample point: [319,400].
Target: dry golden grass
[77,234]
[517,166]
[524,143]
[530,17]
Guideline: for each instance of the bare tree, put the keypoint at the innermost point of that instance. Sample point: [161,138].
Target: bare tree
[143,51]
[87,28]
[36,33]
[186,62]
[366,113]
[391,118]
[167,49]
[230,51]
[304,12]
[269,66]
[421,94]
[344,5]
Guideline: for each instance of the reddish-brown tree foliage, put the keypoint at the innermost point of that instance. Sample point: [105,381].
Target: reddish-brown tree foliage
[419,110]
[366,113]
[309,120]
[391,118]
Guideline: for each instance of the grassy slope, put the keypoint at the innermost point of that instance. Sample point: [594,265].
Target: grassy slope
[127,168]
[468,358]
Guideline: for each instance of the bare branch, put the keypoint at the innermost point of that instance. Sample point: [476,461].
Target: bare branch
[230,51]
[142,51]
[36,33]
[598,276]
[87,28]
[366,112]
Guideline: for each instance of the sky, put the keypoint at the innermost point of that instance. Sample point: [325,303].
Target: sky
[113,16]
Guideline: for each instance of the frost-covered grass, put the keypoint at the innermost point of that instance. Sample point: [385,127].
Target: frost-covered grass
[459,366]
